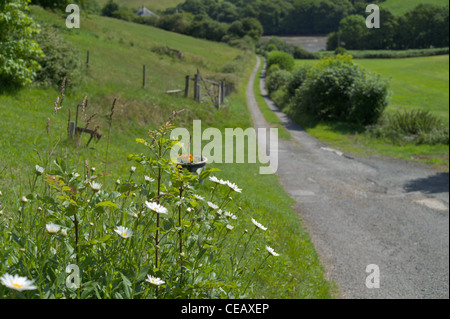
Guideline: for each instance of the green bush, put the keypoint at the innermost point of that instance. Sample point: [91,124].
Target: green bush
[337,89]
[18,51]
[284,60]
[60,60]
[277,79]
[340,50]
[297,79]
[303,54]
[109,8]
[271,47]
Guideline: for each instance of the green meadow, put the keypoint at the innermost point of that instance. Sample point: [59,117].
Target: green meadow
[400,7]
[31,133]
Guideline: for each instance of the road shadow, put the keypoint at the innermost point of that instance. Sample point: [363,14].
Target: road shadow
[437,183]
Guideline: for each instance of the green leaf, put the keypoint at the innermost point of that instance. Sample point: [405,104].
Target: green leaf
[143,273]
[107,204]
[186,223]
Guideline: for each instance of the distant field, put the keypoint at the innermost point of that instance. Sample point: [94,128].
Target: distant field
[402,6]
[149,4]
[419,83]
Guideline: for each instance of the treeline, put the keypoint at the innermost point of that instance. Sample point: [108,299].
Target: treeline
[287,17]
[344,20]
[91,6]
[199,26]
[426,26]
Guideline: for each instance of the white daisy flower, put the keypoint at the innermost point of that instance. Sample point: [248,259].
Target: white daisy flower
[213,206]
[96,186]
[214,179]
[217,181]
[272,251]
[258,225]
[39,170]
[52,228]
[155,281]
[148,179]
[132,169]
[17,283]
[230,215]
[229,227]
[75,175]
[234,187]
[199,197]
[156,208]
[124,232]
[24,199]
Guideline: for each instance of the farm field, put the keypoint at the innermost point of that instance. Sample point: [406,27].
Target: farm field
[118,50]
[400,6]
[416,84]
[426,87]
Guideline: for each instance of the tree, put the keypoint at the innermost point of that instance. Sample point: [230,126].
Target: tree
[110,8]
[247,26]
[253,28]
[18,51]
[353,32]
[53,4]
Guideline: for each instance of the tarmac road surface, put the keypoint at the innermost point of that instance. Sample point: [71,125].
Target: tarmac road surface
[381,226]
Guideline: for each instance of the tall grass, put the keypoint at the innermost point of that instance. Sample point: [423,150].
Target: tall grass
[416,126]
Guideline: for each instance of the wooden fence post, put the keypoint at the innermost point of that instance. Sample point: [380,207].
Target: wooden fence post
[87,60]
[186,89]
[143,76]
[222,86]
[197,86]
[71,130]
[220,95]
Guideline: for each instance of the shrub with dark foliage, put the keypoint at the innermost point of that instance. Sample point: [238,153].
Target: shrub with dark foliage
[337,89]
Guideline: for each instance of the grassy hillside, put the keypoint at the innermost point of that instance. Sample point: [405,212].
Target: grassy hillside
[400,6]
[117,52]
[149,4]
